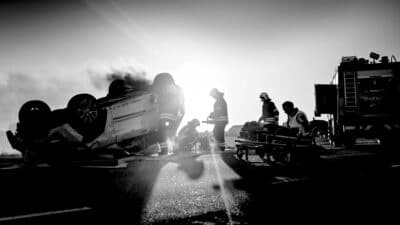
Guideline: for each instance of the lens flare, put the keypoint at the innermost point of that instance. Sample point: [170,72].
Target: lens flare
[224,195]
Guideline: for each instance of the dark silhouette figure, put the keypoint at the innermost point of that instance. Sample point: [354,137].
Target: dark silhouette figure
[219,117]
[270,114]
[171,105]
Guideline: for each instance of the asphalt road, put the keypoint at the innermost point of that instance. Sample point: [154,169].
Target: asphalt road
[200,189]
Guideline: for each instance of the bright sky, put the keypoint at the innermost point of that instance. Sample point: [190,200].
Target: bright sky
[51,51]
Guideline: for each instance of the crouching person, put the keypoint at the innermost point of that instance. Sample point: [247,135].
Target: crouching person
[188,136]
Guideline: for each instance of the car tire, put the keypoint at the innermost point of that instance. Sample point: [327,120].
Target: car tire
[31,110]
[84,108]
[33,120]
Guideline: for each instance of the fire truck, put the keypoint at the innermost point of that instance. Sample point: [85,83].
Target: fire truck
[362,101]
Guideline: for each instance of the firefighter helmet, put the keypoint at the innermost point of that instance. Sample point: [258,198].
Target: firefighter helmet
[264,96]
[195,122]
[163,79]
[215,92]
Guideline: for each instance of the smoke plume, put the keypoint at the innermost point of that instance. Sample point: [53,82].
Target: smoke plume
[134,80]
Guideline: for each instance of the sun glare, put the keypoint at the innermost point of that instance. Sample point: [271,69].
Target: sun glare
[196,82]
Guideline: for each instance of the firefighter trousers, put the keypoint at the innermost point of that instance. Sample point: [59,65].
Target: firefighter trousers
[219,135]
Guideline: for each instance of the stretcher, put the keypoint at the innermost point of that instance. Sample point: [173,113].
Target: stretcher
[274,148]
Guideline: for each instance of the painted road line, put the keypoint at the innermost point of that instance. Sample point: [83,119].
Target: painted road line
[285,180]
[120,165]
[41,214]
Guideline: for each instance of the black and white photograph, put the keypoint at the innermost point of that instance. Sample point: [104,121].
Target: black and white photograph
[205,112]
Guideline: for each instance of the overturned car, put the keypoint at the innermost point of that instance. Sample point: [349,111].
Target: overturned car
[129,120]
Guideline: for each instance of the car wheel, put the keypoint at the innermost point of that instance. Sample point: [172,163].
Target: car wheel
[33,110]
[33,120]
[84,108]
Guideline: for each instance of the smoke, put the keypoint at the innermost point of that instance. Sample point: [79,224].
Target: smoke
[133,79]
[16,88]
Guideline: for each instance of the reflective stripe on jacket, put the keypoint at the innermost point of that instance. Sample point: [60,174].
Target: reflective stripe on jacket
[221,119]
[169,116]
[271,120]
[270,114]
[220,113]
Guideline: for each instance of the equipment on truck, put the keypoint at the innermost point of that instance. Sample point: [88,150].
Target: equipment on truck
[362,101]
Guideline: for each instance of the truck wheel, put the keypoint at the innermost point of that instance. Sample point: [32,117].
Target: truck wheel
[84,107]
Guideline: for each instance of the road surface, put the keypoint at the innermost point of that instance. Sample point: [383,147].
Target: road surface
[197,189]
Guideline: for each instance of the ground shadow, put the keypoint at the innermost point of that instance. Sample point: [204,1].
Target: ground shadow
[353,188]
[191,165]
[113,194]
[121,195]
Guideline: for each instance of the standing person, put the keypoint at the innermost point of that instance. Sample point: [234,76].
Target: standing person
[171,106]
[268,120]
[219,117]
[270,114]
[297,120]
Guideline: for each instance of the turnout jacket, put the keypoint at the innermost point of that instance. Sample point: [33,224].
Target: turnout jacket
[220,113]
